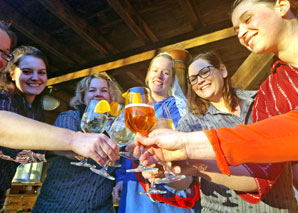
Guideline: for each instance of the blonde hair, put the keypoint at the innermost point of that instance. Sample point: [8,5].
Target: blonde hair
[168,56]
[84,84]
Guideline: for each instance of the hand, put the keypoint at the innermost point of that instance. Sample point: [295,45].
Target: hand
[117,191]
[152,176]
[98,147]
[165,145]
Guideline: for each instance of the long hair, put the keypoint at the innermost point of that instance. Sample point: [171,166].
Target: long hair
[84,84]
[168,56]
[198,105]
[294,5]
[6,83]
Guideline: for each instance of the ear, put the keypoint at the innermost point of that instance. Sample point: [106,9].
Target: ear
[12,75]
[223,70]
[284,7]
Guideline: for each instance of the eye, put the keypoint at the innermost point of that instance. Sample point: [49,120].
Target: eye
[42,72]
[247,19]
[26,71]
[204,71]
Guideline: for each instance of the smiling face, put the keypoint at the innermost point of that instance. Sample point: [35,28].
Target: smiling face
[98,90]
[30,76]
[160,76]
[210,88]
[5,44]
[259,26]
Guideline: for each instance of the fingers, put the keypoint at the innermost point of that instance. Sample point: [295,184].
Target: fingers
[130,147]
[108,149]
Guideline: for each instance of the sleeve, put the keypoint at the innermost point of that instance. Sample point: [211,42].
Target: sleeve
[68,120]
[246,143]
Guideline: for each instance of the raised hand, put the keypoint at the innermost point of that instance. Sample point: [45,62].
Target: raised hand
[99,147]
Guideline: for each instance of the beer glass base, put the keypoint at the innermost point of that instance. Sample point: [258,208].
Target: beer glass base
[142,168]
[103,173]
[83,164]
[153,191]
[128,155]
[170,178]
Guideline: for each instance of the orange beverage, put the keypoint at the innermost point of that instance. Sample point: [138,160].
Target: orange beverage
[139,118]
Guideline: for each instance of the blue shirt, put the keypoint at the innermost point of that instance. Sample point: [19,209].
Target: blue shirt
[131,199]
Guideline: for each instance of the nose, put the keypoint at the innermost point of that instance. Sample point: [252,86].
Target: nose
[159,74]
[200,80]
[97,93]
[242,31]
[34,76]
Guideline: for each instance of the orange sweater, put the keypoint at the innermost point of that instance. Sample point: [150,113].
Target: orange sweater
[272,140]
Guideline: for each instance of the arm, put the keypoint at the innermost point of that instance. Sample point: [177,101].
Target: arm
[36,135]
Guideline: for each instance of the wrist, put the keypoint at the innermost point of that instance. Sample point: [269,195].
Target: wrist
[197,146]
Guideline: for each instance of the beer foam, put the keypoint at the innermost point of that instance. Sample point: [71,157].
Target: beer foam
[143,105]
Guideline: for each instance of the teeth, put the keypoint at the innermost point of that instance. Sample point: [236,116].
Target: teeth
[33,85]
[204,87]
[158,83]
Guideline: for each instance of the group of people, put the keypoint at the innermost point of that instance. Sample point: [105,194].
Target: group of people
[249,135]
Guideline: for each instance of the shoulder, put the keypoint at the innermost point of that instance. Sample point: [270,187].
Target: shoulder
[189,122]
[246,94]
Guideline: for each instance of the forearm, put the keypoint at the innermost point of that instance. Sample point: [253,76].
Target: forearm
[239,180]
[22,133]
[271,140]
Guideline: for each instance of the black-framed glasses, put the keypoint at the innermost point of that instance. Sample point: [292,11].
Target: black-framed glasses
[203,73]
[6,56]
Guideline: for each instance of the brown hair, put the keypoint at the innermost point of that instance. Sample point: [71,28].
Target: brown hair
[198,105]
[294,4]
[84,84]
[13,38]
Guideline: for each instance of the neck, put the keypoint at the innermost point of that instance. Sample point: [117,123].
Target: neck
[221,106]
[30,98]
[287,49]
[158,97]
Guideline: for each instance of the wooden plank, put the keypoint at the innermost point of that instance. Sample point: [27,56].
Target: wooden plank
[133,20]
[254,67]
[32,31]
[194,42]
[79,25]
[190,13]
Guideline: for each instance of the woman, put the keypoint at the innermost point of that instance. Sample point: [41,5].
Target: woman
[25,79]
[69,188]
[159,79]
[262,26]
[215,104]
[37,135]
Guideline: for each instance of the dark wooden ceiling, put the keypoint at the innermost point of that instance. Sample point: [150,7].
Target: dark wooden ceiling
[120,37]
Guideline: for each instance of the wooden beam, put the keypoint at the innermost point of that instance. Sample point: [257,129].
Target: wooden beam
[190,13]
[253,68]
[134,21]
[187,44]
[79,25]
[44,39]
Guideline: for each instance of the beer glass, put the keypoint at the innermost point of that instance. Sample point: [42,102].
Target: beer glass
[91,123]
[164,120]
[139,116]
[120,133]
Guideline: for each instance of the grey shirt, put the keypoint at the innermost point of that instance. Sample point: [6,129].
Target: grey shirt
[218,198]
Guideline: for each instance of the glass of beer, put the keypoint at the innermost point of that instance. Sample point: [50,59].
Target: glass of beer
[139,116]
[91,123]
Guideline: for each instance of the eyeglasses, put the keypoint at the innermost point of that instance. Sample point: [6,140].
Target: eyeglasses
[203,73]
[6,56]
